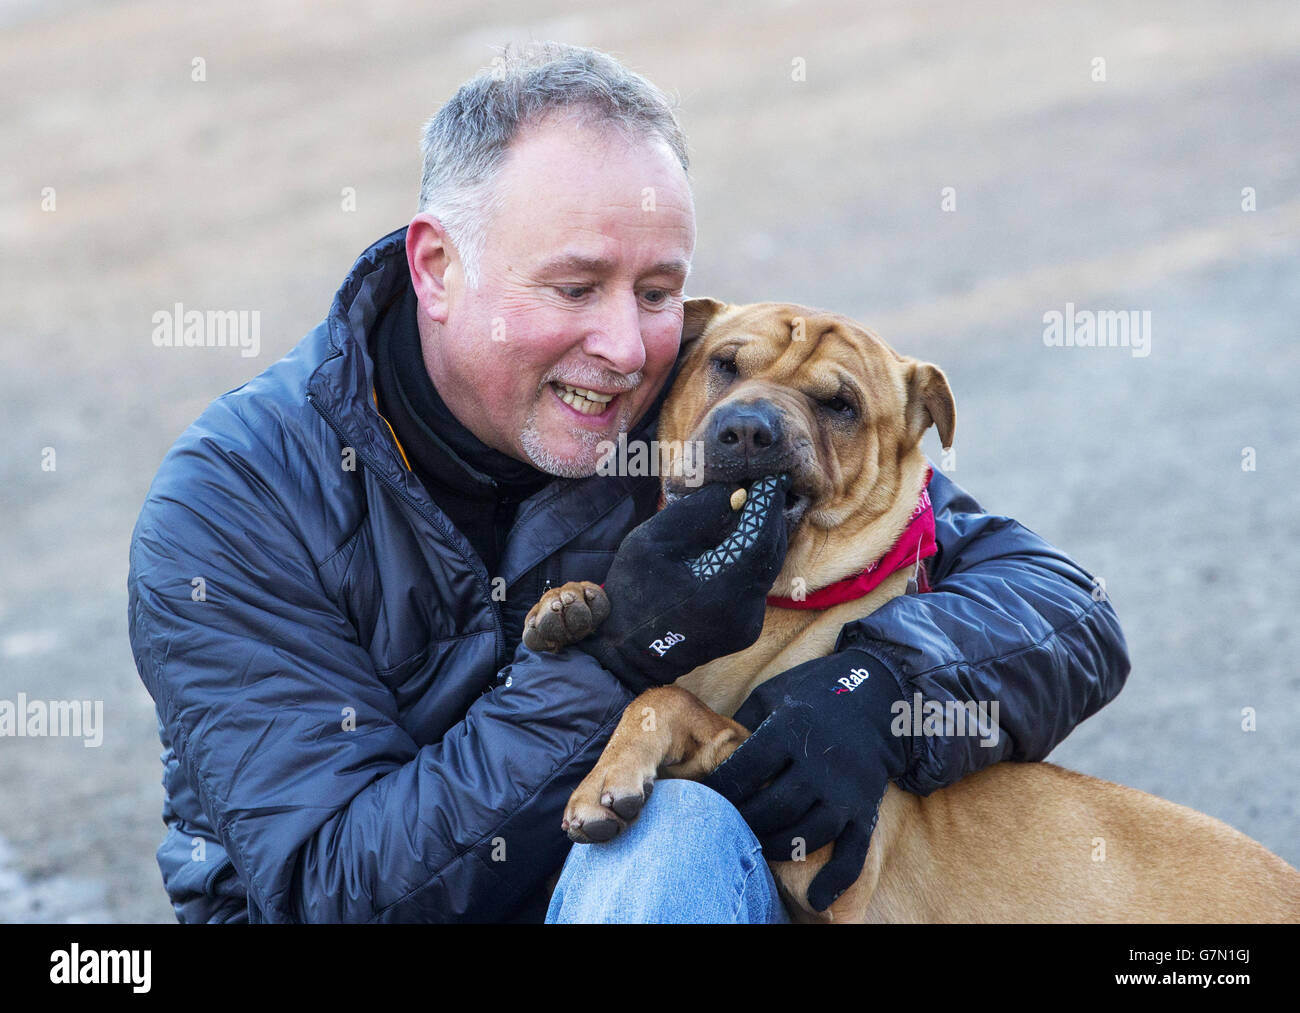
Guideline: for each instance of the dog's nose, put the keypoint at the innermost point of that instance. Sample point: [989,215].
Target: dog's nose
[747,432]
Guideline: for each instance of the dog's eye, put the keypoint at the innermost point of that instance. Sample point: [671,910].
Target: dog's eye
[837,405]
[727,366]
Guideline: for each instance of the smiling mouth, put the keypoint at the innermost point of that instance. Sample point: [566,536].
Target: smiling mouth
[588,402]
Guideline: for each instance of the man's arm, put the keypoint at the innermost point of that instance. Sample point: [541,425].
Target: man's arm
[1010,619]
[327,819]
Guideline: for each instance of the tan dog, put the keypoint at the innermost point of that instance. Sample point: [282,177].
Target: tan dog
[1015,842]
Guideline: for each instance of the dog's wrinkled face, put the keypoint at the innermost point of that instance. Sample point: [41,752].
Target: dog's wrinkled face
[774,387]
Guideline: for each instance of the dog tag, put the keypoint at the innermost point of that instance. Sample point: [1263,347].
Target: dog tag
[911,587]
[738,498]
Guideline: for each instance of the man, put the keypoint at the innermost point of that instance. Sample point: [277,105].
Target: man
[330,573]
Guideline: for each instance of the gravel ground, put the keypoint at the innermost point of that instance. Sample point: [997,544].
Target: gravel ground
[1117,194]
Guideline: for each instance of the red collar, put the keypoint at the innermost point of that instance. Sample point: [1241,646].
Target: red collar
[914,544]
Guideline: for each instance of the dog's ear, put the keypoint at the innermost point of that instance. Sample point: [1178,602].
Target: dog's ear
[696,317]
[929,402]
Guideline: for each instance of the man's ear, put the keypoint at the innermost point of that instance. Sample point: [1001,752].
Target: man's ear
[430,255]
[697,315]
[929,402]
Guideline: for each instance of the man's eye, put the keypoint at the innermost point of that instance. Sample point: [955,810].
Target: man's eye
[655,296]
[573,291]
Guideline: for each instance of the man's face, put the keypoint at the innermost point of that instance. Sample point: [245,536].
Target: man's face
[580,286]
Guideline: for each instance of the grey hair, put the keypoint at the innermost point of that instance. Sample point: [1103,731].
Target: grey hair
[466,142]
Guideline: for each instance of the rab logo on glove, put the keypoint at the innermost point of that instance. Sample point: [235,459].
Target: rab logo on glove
[663,643]
[852,681]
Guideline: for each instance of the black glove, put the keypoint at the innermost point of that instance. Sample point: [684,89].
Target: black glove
[690,584]
[822,737]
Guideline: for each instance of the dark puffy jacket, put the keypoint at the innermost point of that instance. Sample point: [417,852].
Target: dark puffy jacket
[350,729]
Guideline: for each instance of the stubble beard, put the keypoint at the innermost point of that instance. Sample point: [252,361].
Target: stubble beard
[580,464]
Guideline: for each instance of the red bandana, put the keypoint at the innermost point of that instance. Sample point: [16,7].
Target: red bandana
[914,544]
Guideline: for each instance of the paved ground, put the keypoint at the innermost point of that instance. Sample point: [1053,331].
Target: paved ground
[1122,194]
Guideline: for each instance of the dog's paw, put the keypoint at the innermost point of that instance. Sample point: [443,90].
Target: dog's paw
[605,803]
[565,615]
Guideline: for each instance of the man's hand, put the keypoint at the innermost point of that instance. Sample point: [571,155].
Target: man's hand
[818,763]
[690,584]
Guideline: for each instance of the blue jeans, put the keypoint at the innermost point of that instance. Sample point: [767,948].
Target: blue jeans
[688,857]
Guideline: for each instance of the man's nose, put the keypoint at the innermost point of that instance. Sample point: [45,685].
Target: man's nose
[616,336]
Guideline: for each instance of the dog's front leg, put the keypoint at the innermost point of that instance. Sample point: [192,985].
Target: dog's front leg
[664,731]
